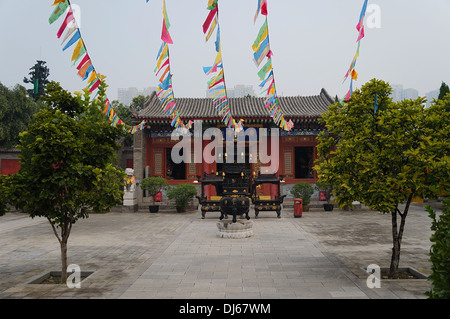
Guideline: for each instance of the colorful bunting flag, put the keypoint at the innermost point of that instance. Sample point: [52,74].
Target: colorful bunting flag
[217,85]
[165,89]
[261,49]
[85,68]
[351,71]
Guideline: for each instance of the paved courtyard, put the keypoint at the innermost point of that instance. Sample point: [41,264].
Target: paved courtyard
[179,255]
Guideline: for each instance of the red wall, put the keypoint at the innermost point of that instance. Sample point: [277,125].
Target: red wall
[10,166]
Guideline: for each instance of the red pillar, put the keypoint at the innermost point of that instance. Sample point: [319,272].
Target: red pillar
[207,168]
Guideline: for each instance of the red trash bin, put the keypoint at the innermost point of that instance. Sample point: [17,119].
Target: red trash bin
[323,195]
[298,207]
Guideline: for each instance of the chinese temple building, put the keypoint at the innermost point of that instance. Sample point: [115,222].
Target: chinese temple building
[297,147]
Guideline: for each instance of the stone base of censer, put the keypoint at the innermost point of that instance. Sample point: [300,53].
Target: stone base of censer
[240,229]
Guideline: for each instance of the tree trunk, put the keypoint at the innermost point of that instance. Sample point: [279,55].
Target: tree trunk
[397,235]
[63,239]
[65,232]
[63,261]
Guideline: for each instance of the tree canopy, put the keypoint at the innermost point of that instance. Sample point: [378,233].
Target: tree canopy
[443,91]
[16,112]
[383,153]
[138,102]
[39,74]
[66,163]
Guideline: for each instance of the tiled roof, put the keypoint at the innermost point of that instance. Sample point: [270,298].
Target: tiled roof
[244,107]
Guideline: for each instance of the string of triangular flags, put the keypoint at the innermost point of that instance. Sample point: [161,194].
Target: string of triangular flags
[165,89]
[80,55]
[216,84]
[352,71]
[261,48]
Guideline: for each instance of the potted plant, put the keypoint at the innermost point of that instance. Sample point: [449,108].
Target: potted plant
[327,189]
[154,185]
[182,194]
[304,191]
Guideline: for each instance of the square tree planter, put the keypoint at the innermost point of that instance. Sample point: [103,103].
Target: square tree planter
[47,278]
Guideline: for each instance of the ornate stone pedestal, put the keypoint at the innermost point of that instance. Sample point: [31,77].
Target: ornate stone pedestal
[130,202]
[240,229]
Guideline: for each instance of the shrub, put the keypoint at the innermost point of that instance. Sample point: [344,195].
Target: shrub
[327,188]
[182,194]
[304,191]
[440,253]
[154,185]
[3,192]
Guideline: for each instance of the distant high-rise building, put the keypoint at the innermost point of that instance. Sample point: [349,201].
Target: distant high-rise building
[400,94]
[410,94]
[239,90]
[243,90]
[430,96]
[126,96]
[397,92]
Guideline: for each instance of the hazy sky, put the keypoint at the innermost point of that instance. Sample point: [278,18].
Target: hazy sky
[313,43]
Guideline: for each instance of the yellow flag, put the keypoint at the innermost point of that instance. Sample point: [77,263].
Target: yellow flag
[161,57]
[219,92]
[211,29]
[218,57]
[263,37]
[92,77]
[76,51]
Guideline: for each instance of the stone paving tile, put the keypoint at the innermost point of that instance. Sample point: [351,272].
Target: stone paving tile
[179,256]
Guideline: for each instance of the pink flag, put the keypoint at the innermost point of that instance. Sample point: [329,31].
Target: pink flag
[85,59]
[348,96]
[361,34]
[264,8]
[165,36]
[164,64]
[212,70]
[214,84]
[68,19]
[360,24]
[208,20]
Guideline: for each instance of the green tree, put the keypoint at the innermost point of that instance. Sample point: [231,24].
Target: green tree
[4,190]
[124,113]
[39,74]
[16,112]
[382,154]
[440,252]
[138,102]
[66,163]
[443,91]
[182,194]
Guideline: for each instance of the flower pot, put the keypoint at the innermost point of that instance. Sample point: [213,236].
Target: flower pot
[153,208]
[180,209]
[306,207]
[328,207]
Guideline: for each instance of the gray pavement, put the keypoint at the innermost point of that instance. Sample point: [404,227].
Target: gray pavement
[179,255]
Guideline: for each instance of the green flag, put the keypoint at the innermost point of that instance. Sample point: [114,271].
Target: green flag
[266,68]
[59,11]
[263,32]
